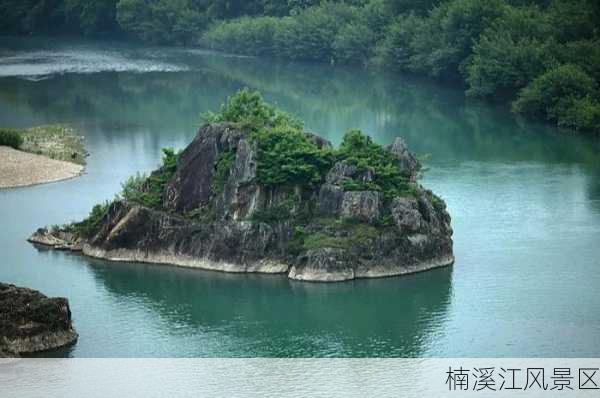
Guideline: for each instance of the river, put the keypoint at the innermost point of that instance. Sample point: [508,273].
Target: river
[524,199]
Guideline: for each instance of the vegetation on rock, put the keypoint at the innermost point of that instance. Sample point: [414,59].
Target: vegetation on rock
[11,138]
[286,157]
[222,170]
[88,227]
[254,192]
[149,190]
[359,150]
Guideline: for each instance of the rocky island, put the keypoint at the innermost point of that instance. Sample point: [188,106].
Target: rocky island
[31,322]
[255,192]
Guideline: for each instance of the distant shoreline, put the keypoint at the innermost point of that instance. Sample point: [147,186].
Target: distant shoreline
[22,169]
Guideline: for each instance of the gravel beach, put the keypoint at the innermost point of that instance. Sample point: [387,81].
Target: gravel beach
[18,169]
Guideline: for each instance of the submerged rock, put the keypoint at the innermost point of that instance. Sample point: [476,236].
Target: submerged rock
[31,322]
[287,204]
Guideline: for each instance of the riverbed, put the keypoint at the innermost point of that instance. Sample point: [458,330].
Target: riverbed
[524,198]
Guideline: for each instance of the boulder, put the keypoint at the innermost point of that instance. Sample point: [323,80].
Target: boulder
[31,322]
[407,162]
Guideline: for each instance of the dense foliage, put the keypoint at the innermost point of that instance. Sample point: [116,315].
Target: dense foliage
[248,110]
[11,138]
[286,155]
[359,150]
[149,191]
[564,94]
[90,226]
[499,49]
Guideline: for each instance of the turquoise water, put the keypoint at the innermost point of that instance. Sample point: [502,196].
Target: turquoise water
[525,202]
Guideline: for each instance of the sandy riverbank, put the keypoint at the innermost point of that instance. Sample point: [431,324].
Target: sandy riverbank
[19,169]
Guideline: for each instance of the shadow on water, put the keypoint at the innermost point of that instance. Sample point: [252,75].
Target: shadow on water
[391,317]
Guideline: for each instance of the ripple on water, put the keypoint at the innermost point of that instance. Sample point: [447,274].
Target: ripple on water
[39,65]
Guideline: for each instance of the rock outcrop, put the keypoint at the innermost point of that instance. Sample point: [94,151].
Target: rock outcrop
[313,232]
[31,322]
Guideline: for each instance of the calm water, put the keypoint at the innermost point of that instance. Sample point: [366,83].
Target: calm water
[525,202]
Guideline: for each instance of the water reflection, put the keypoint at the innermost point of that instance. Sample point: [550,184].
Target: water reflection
[259,315]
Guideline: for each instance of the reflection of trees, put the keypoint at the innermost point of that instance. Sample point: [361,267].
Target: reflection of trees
[385,317]
[434,119]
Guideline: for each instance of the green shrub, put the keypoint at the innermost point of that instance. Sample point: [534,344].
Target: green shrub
[90,226]
[511,53]
[359,150]
[132,190]
[583,53]
[161,21]
[554,91]
[286,156]
[250,36]
[11,138]
[308,34]
[581,114]
[247,109]
[149,191]
[395,50]
[275,214]
[353,44]
[445,39]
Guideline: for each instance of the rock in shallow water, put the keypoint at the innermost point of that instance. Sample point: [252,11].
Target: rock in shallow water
[31,322]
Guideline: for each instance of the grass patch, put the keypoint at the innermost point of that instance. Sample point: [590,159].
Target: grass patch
[60,142]
[333,233]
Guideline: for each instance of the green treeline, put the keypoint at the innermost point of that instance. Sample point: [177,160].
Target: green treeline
[155,21]
[543,56]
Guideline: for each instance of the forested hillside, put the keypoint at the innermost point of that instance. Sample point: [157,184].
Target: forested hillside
[542,56]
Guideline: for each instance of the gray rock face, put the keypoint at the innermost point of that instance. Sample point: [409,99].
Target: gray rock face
[406,214]
[31,322]
[407,162]
[323,232]
[362,205]
[330,200]
[191,186]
